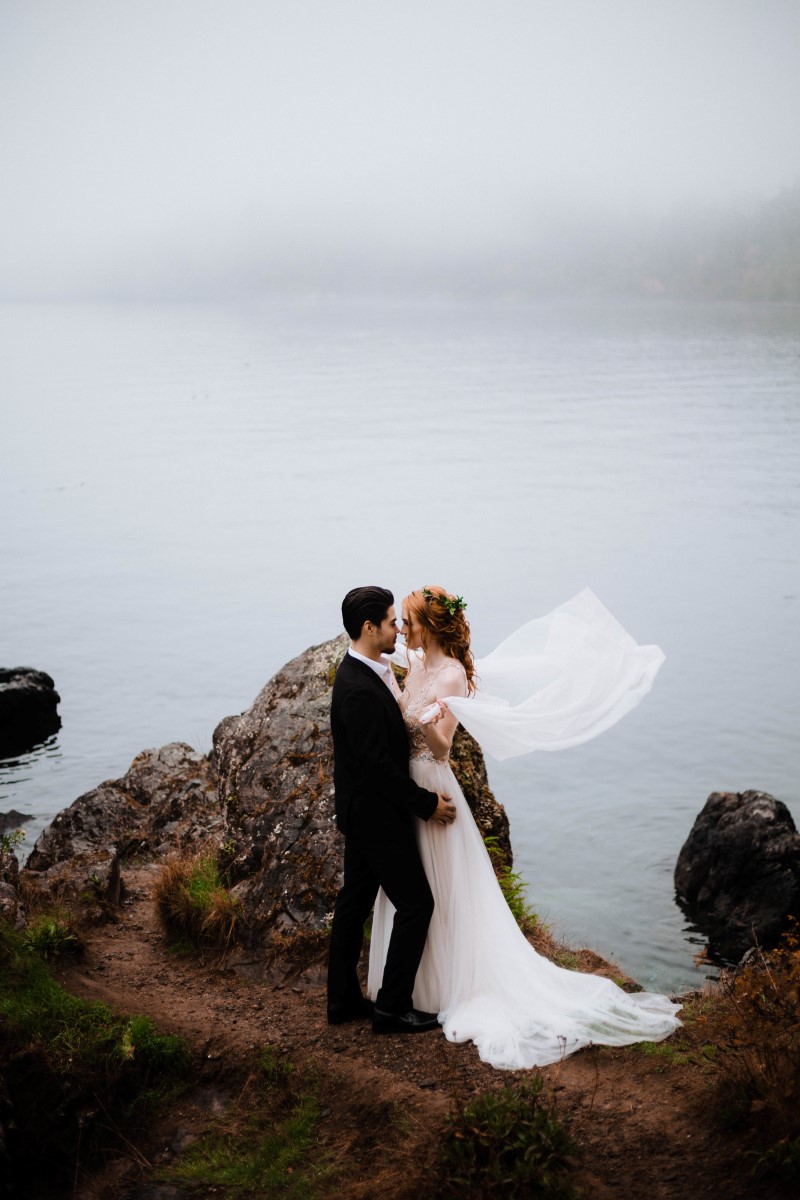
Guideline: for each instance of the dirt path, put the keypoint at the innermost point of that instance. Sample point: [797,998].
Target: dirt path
[641,1121]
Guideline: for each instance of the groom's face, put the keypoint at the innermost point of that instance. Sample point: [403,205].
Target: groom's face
[386,633]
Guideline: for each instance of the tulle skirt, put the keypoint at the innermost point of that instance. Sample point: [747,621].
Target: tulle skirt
[482,976]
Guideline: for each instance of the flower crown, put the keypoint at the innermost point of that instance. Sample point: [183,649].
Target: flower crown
[453,604]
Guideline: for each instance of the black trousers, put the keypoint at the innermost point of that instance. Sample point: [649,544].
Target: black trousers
[380,852]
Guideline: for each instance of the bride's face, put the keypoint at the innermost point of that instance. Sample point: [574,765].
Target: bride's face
[411,631]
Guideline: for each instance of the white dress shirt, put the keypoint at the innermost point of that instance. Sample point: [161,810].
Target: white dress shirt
[382,668]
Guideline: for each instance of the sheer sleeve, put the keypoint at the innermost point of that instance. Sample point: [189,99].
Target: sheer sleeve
[557,681]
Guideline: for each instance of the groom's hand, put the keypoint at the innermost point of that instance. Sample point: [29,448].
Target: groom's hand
[445,811]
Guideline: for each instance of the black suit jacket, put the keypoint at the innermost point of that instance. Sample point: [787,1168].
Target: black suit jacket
[370,748]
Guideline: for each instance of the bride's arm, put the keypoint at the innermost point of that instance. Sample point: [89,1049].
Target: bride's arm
[406,660]
[440,732]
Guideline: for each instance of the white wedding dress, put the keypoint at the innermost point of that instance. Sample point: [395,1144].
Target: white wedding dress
[556,682]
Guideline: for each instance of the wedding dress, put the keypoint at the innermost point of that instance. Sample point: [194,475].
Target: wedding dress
[565,678]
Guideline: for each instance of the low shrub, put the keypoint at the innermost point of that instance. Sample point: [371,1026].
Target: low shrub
[11,842]
[755,1026]
[193,903]
[52,934]
[508,1143]
[512,886]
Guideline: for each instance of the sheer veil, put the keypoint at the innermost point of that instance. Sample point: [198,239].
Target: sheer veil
[556,682]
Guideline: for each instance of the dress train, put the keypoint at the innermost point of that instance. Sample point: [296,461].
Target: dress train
[482,976]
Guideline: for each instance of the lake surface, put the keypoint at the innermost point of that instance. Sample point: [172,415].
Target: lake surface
[188,491]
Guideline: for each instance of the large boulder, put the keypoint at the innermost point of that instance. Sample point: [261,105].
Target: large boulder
[166,803]
[28,715]
[738,873]
[275,767]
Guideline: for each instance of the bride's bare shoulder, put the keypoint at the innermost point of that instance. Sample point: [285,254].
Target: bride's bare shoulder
[452,679]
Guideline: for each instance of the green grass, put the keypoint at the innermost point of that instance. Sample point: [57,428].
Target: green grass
[508,1143]
[255,1162]
[50,935]
[38,1014]
[76,1071]
[666,1051]
[194,904]
[566,958]
[265,1144]
[10,842]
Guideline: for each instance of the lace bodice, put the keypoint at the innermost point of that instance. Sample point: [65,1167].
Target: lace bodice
[419,688]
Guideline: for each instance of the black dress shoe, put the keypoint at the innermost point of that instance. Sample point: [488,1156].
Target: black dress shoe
[411,1021]
[358,1011]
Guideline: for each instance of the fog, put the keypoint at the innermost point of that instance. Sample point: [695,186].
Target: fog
[191,147]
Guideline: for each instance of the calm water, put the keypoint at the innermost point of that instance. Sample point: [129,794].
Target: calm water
[188,491]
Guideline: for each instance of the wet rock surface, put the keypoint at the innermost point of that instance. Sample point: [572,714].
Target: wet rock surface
[28,716]
[738,873]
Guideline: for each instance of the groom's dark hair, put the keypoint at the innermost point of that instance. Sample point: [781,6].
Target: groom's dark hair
[365,604]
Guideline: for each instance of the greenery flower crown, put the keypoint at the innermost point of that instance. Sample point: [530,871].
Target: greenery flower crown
[453,604]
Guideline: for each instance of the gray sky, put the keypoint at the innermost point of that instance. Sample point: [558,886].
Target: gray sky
[161,144]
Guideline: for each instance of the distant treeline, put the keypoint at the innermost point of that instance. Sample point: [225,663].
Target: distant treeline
[748,253]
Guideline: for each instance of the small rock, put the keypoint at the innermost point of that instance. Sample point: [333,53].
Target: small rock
[28,716]
[738,873]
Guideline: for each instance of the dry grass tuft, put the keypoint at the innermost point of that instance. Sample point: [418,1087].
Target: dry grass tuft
[194,904]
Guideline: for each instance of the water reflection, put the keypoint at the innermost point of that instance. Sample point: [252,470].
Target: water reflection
[17,776]
[11,768]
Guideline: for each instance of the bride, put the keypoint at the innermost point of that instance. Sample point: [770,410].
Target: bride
[555,683]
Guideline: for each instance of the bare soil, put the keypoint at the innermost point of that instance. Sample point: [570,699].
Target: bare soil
[643,1123]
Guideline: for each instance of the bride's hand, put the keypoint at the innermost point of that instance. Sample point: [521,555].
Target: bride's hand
[433,713]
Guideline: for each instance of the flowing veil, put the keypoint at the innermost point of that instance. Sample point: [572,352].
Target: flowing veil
[556,682]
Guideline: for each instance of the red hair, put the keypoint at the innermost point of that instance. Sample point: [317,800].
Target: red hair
[450,629]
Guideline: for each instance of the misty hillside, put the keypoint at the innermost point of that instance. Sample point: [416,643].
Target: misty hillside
[705,253]
[736,256]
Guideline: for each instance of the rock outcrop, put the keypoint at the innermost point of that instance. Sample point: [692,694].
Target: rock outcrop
[28,715]
[166,803]
[262,803]
[275,767]
[738,873]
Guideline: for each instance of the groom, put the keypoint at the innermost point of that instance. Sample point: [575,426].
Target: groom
[376,800]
